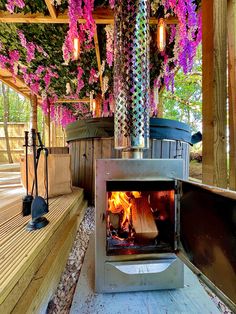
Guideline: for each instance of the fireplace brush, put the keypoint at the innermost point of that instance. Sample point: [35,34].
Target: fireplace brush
[39,206]
[27,199]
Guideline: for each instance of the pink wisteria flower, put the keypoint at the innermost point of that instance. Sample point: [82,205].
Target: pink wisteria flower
[109,43]
[112,3]
[85,32]
[11,4]
[29,46]
[93,77]
[186,36]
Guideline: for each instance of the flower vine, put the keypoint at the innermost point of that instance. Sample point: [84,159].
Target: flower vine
[11,4]
[109,43]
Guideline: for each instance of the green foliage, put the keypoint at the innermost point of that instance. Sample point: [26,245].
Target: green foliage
[19,107]
[51,38]
[35,6]
[185,104]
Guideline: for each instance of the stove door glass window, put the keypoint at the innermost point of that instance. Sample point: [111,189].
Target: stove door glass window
[140,218]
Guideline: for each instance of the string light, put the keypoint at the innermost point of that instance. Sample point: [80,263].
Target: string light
[76,45]
[161,35]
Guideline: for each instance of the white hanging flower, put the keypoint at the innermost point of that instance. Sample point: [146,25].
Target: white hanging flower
[102,67]
[15,68]
[68,89]
[56,2]
[154,5]
[105,84]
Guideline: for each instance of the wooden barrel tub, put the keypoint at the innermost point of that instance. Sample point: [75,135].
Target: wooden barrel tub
[93,139]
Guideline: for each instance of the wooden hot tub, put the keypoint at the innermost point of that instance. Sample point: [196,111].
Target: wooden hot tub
[92,139]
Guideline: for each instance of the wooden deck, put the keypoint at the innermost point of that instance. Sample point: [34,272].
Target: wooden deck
[31,263]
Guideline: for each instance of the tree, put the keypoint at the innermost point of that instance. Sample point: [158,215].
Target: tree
[5,93]
[185,103]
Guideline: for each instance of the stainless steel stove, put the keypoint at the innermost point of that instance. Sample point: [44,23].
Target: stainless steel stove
[136,225]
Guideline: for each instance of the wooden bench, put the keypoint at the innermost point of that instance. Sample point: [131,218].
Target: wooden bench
[31,263]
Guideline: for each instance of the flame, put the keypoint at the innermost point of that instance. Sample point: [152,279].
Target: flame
[136,194]
[119,201]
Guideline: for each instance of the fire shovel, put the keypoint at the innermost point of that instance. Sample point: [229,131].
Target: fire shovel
[39,206]
[27,199]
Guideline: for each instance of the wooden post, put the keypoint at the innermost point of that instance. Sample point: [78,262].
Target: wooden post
[5,92]
[47,130]
[160,104]
[232,91]
[33,113]
[214,45]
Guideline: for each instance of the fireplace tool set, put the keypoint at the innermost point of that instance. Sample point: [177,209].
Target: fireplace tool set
[35,205]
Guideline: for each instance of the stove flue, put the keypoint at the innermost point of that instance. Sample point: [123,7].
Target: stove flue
[131,77]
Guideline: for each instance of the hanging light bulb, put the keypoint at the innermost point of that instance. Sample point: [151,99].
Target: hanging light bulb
[76,45]
[161,35]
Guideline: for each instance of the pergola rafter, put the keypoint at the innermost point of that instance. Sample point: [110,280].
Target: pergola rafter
[51,9]
[15,83]
[100,15]
[97,50]
[72,101]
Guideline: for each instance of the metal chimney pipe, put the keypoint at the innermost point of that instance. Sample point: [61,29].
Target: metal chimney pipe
[131,77]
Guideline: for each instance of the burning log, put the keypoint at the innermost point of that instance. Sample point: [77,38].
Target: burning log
[143,221]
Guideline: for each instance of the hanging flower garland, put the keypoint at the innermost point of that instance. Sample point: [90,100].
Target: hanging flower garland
[186,36]
[11,4]
[93,77]
[109,44]
[78,9]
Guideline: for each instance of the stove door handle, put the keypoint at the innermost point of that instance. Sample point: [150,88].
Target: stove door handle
[143,267]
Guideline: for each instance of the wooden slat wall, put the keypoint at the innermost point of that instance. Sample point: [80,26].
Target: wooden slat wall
[83,156]
[85,152]
[232,91]
[214,45]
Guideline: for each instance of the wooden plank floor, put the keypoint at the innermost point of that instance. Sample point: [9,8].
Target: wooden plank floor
[11,193]
[24,255]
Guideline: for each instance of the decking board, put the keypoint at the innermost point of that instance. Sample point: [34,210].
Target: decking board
[47,277]
[22,253]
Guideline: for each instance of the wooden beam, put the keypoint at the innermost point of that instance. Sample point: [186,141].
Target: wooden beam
[97,50]
[100,15]
[33,113]
[14,87]
[232,91]
[214,45]
[51,9]
[67,101]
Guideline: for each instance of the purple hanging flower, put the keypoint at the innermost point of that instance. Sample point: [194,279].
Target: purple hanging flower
[93,77]
[11,4]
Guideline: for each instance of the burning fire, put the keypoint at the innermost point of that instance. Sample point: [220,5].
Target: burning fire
[120,201]
[135,218]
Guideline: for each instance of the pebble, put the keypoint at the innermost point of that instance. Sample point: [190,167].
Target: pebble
[62,299]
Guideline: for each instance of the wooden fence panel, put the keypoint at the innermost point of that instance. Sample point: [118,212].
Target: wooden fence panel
[16,139]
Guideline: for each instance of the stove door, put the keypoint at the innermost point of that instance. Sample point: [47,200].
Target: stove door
[206,227]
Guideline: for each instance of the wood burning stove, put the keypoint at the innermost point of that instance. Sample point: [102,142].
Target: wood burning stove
[136,225]
[147,219]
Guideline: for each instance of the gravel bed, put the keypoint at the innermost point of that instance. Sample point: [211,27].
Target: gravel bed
[62,299]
